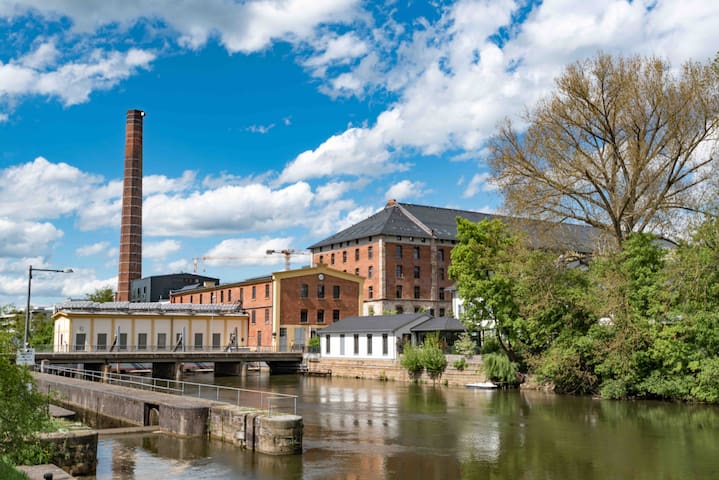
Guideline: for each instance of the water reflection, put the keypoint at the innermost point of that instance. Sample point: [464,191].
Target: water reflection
[360,429]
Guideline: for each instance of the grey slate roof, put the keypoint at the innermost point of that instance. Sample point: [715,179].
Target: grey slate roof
[391,221]
[149,307]
[440,324]
[374,323]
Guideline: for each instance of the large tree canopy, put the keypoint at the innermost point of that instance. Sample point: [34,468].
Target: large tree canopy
[621,144]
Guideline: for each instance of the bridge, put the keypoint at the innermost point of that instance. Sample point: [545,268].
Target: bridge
[171,364]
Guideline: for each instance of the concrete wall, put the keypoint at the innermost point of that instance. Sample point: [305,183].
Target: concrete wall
[391,370]
[183,416]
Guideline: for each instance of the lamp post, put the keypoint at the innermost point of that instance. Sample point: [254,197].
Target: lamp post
[29,285]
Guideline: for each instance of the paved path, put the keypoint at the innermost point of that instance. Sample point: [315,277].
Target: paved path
[36,472]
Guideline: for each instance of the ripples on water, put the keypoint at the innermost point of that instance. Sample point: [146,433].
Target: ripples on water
[361,429]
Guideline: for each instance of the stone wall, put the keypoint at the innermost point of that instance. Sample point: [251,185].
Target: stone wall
[392,371]
[75,452]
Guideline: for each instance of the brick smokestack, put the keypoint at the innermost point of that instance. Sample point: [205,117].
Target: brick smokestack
[131,228]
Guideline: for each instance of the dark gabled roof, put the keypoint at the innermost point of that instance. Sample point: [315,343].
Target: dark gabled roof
[392,221]
[440,324]
[148,307]
[374,323]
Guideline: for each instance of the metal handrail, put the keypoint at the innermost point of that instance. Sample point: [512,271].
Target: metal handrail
[180,388]
[88,348]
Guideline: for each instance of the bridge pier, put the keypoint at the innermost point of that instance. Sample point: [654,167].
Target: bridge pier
[228,369]
[168,370]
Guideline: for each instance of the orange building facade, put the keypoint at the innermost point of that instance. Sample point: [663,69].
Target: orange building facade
[287,308]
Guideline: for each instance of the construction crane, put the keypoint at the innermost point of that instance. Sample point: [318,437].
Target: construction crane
[287,252]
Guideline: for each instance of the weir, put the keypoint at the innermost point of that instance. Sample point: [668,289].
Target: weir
[250,428]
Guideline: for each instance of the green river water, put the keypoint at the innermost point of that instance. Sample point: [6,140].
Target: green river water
[361,429]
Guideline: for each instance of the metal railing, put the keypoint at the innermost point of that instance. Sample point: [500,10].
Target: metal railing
[164,348]
[272,403]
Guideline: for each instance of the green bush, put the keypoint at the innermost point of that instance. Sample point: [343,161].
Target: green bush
[8,472]
[433,359]
[412,360]
[465,345]
[490,345]
[460,364]
[613,389]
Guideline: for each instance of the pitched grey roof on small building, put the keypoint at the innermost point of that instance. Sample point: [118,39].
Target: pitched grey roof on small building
[392,221]
[440,324]
[374,323]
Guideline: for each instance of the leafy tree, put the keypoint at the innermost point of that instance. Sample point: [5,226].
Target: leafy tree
[412,360]
[465,345]
[101,295]
[23,412]
[432,357]
[619,145]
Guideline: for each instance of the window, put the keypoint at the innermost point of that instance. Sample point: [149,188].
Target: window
[242,294]
[416,291]
[200,298]
[342,343]
[356,343]
[385,344]
[356,254]
[327,344]
[370,271]
[123,341]
[267,291]
[267,316]
[398,251]
[80,342]
[320,316]
[441,273]
[101,341]
[332,259]
[216,337]
[190,298]
[440,254]
[369,344]
[142,341]
[335,291]
[254,292]
[441,293]
[415,253]
[344,256]
[161,341]
[304,290]
[222,296]
[303,316]
[357,271]
[370,292]
[320,291]
[322,259]
[398,291]
[370,253]
[254,320]
[441,312]
[416,271]
[398,271]
[399,309]
[198,341]
[229,295]
[335,316]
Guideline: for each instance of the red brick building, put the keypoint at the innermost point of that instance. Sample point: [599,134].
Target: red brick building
[287,308]
[403,251]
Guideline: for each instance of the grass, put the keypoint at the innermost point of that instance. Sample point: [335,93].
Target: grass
[8,472]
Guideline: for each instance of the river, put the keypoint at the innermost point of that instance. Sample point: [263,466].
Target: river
[362,429]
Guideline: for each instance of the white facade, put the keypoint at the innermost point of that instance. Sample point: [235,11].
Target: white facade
[359,345]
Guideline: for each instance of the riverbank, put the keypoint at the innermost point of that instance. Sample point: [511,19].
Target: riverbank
[390,370]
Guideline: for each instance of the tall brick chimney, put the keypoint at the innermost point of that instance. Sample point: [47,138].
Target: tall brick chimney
[131,228]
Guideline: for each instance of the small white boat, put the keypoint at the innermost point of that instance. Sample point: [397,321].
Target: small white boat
[482,385]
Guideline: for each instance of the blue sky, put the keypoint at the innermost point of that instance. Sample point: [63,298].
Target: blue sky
[272,124]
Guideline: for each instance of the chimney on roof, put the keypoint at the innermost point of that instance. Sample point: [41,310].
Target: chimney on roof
[130,267]
[390,202]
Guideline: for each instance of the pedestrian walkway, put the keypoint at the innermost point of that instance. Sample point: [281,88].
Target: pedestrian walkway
[38,472]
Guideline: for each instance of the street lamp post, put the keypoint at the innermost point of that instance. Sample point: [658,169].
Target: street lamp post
[29,285]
